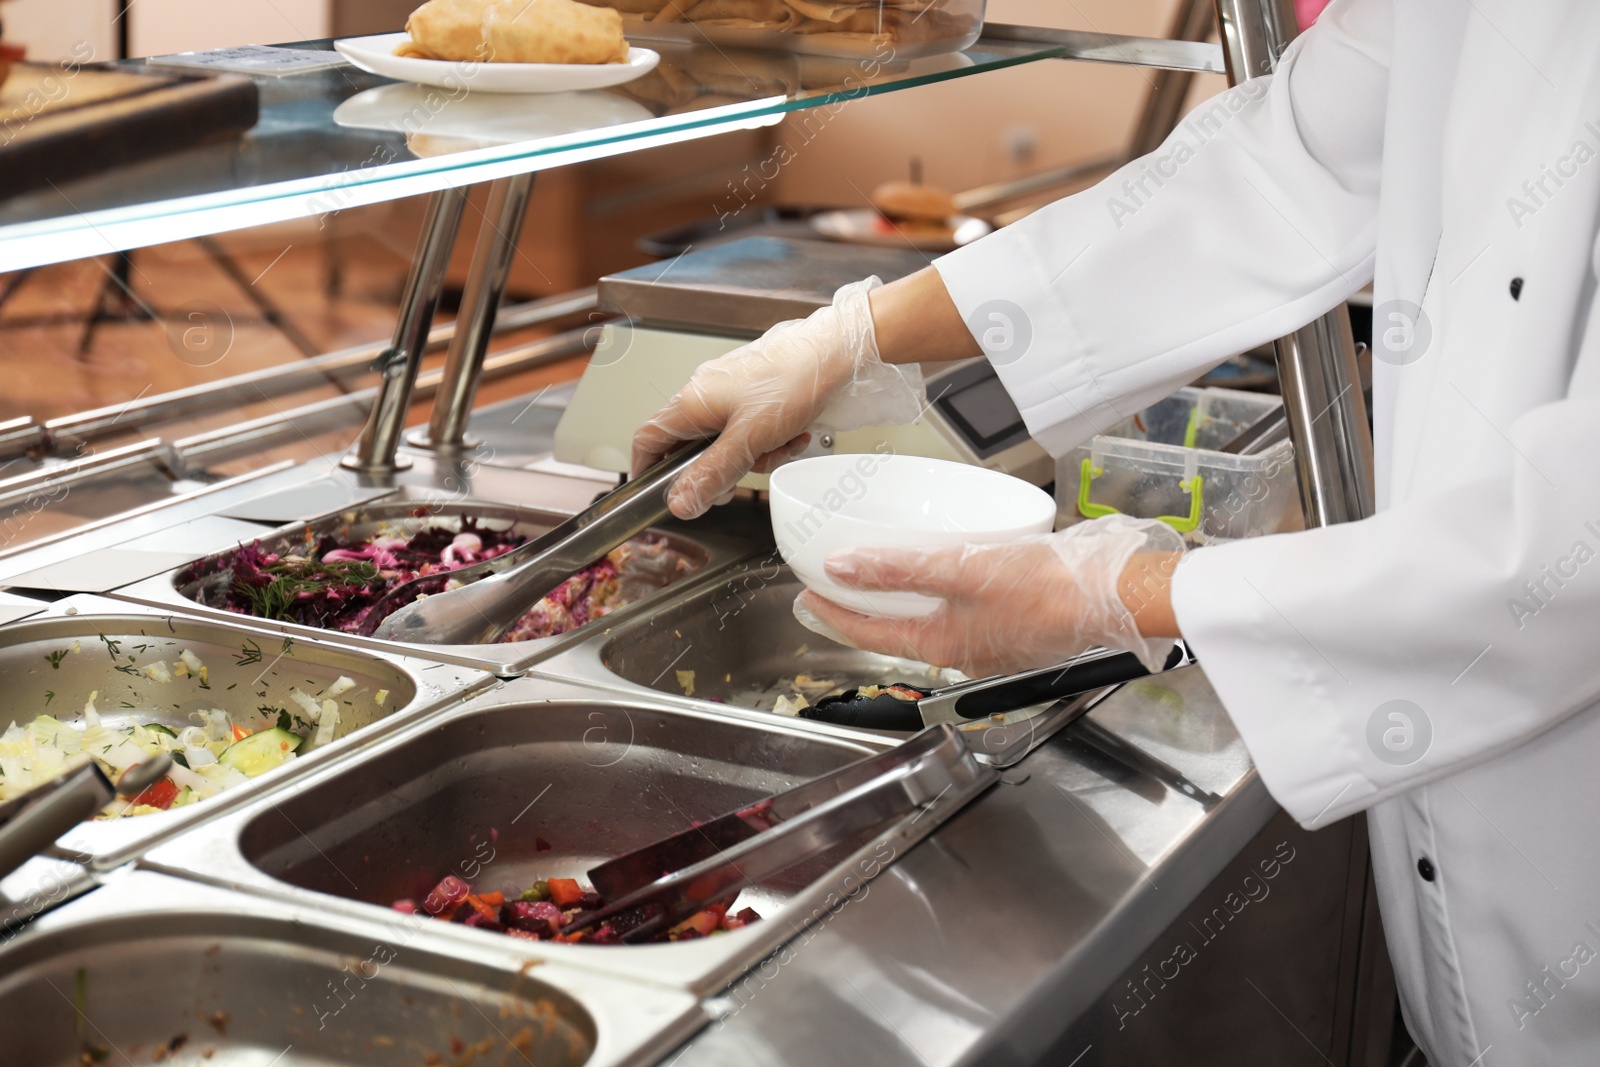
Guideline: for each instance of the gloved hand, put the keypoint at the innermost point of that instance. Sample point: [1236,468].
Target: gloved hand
[1008,607]
[822,372]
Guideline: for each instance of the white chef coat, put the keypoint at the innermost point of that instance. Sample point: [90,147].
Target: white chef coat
[1446,147]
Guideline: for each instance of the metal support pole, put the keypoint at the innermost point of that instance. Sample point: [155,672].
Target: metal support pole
[486,285]
[1317,372]
[398,364]
[1193,20]
[1327,420]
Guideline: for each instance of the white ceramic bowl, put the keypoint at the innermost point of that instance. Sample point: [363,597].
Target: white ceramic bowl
[830,503]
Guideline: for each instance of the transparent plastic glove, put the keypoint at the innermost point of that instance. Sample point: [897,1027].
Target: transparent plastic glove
[1008,607]
[822,372]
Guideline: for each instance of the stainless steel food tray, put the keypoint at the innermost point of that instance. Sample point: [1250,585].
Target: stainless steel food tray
[245,669]
[740,638]
[539,779]
[156,969]
[710,552]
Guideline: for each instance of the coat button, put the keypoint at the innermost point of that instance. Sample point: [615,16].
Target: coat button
[1425,868]
[1516,288]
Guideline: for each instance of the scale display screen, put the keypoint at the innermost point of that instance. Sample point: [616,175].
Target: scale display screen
[987,408]
[977,405]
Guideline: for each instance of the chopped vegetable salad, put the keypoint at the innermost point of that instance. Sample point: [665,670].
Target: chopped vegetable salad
[218,751]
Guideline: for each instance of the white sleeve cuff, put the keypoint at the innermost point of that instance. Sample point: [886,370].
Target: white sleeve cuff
[1279,692]
[1028,337]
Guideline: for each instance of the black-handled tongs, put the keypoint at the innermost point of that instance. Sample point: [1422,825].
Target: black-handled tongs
[907,707]
[657,886]
[30,823]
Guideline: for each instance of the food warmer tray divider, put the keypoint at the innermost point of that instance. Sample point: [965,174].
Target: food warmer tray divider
[345,989]
[624,692]
[715,553]
[81,619]
[101,570]
[164,517]
[336,491]
[14,607]
[1000,741]
[42,883]
[167,525]
[215,852]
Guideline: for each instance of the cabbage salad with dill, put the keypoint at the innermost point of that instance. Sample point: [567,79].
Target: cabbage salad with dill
[217,751]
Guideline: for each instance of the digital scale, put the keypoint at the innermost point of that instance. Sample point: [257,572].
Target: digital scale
[701,305]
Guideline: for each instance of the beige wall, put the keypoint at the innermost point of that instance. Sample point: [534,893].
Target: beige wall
[51,28]
[163,26]
[963,130]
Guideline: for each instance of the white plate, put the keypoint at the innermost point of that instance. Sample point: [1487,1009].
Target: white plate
[866,227]
[479,120]
[376,55]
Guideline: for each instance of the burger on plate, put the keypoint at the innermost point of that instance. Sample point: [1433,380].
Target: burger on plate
[912,207]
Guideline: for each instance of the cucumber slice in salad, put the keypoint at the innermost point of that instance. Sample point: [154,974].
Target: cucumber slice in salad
[260,752]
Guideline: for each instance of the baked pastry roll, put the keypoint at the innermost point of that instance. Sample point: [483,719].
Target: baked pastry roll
[515,31]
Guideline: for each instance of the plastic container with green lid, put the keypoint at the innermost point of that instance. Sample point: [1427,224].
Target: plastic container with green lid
[1163,464]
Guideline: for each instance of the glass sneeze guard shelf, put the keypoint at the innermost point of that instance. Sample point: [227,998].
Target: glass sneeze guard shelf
[341,138]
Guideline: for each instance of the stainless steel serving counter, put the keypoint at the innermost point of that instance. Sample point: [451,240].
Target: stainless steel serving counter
[1129,894]
[1012,935]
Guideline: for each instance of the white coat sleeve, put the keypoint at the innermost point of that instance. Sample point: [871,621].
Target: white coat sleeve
[1255,216]
[1362,660]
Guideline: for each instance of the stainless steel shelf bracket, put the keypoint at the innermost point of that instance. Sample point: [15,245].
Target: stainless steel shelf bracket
[375,452]
[1095,47]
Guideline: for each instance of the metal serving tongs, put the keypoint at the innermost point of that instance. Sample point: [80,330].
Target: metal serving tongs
[662,884]
[29,824]
[479,612]
[908,707]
